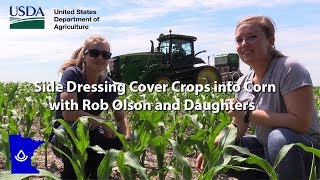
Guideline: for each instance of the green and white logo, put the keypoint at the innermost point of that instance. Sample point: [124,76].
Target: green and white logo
[26,17]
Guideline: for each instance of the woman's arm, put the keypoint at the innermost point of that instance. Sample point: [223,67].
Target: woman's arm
[122,123]
[299,112]
[72,116]
[241,125]
[238,120]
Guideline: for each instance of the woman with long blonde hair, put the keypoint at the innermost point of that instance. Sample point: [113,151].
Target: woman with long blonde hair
[87,66]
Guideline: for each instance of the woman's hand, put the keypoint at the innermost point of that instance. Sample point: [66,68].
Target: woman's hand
[217,139]
[230,102]
[237,114]
[234,113]
[199,160]
[199,163]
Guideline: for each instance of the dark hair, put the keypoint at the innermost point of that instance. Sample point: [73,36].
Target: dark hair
[268,27]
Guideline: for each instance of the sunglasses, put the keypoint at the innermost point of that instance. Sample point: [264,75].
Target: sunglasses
[96,53]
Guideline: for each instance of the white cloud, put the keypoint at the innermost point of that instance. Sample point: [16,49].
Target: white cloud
[302,43]
[146,10]
[47,46]
[52,46]
[136,15]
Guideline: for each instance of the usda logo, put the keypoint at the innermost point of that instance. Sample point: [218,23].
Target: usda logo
[26,17]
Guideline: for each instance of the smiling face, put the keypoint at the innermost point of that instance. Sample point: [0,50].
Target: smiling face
[252,43]
[96,64]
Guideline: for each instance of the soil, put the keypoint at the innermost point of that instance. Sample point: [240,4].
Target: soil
[55,165]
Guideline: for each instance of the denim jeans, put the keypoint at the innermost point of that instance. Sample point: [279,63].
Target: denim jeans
[295,165]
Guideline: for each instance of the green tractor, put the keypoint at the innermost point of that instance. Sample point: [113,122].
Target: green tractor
[173,60]
[228,66]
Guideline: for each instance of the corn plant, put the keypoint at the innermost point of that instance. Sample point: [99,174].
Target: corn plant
[221,159]
[183,132]
[2,100]
[7,100]
[285,149]
[46,117]
[30,110]
[77,142]
[5,148]
[127,162]
[124,160]
[252,159]
[42,173]
[140,137]
[5,152]
[5,130]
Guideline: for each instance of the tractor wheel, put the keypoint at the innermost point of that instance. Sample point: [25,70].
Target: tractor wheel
[163,80]
[208,76]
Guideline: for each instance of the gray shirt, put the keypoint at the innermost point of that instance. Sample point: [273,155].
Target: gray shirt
[287,75]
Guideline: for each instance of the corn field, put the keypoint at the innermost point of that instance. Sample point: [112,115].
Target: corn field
[185,133]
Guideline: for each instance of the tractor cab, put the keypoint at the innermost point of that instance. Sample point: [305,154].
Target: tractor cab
[178,50]
[173,60]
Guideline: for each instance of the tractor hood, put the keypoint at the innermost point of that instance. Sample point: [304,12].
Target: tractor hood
[133,54]
[128,67]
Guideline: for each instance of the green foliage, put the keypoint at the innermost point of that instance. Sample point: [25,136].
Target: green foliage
[77,142]
[5,148]
[42,173]
[182,132]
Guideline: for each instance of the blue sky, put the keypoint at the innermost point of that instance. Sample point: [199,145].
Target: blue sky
[36,55]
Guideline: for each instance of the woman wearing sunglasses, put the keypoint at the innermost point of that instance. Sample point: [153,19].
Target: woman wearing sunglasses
[88,65]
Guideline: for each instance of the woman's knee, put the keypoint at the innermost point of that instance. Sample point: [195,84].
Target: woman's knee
[277,139]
